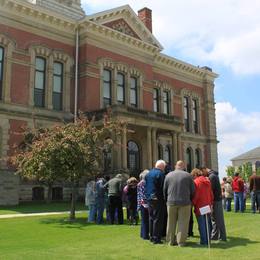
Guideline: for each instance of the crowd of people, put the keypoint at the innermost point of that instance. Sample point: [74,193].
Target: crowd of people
[165,200]
[238,189]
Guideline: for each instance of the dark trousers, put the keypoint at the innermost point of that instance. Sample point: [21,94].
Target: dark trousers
[115,202]
[190,232]
[228,204]
[144,223]
[156,215]
[202,225]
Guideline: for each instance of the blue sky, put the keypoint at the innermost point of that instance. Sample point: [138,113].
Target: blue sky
[224,35]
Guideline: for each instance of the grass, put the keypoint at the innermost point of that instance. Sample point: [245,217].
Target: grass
[56,238]
[36,207]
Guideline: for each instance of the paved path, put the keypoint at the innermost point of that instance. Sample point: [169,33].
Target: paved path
[36,214]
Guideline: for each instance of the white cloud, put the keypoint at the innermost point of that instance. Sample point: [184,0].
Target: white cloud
[237,132]
[224,31]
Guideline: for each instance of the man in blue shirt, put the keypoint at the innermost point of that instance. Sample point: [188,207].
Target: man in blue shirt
[154,181]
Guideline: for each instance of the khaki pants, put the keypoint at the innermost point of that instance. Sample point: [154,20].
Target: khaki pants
[180,214]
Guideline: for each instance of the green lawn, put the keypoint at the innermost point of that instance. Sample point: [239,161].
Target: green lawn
[56,238]
[36,207]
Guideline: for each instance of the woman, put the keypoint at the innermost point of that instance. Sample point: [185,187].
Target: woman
[203,197]
[228,193]
[130,191]
[142,205]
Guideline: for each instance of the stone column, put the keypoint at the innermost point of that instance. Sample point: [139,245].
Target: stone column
[154,146]
[174,148]
[149,148]
[124,149]
[179,150]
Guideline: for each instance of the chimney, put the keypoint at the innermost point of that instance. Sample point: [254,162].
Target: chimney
[145,15]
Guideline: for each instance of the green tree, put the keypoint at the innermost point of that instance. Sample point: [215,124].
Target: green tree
[230,170]
[67,152]
[247,171]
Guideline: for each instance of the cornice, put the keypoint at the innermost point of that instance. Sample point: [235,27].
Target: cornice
[182,67]
[37,14]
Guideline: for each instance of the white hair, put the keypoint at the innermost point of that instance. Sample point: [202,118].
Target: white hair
[160,162]
[143,174]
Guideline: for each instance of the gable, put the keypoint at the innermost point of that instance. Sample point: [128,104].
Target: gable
[125,20]
[122,26]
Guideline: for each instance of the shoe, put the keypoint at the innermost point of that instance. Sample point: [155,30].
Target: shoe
[181,245]
[223,240]
[159,242]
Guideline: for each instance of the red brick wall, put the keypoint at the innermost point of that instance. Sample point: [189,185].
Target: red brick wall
[20,84]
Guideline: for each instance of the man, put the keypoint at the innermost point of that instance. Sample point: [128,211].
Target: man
[178,191]
[115,198]
[238,189]
[254,187]
[217,216]
[154,193]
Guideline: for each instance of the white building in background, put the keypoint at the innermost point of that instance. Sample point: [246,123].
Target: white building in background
[252,156]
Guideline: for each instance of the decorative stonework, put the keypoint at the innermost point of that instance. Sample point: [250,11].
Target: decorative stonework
[121,26]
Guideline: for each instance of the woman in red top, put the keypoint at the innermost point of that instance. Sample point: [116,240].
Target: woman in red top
[203,197]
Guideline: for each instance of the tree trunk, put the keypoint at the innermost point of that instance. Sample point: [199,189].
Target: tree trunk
[49,196]
[73,202]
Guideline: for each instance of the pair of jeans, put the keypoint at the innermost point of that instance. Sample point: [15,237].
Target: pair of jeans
[92,212]
[255,200]
[239,201]
[144,223]
[100,210]
[156,216]
[204,229]
[228,204]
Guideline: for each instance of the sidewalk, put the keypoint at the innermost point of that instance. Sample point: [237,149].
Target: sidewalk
[19,215]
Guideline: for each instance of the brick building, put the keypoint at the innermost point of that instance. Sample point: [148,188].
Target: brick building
[168,104]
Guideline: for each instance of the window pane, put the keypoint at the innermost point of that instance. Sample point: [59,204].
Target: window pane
[1,54]
[133,100]
[38,97]
[107,75]
[57,101]
[106,90]
[57,68]
[120,94]
[57,84]
[1,74]
[40,64]
[39,80]
[120,79]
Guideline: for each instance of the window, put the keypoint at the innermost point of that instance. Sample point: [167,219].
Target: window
[57,193]
[133,157]
[133,92]
[57,85]
[186,114]
[106,88]
[1,70]
[197,158]
[160,151]
[38,193]
[121,88]
[195,115]
[39,87]
[189,159]
[107,155]
[167,154]
[156,100]
[166,102]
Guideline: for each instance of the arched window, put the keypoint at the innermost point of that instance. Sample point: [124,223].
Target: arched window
[257,165]
[189,159]
[133,157]
[1,70]
[197,158]
[38,193]
[167,154]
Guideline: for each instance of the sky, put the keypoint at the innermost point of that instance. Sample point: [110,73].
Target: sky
[224,35]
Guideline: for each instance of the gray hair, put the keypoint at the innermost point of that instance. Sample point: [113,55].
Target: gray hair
[143,174]
[159,163]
